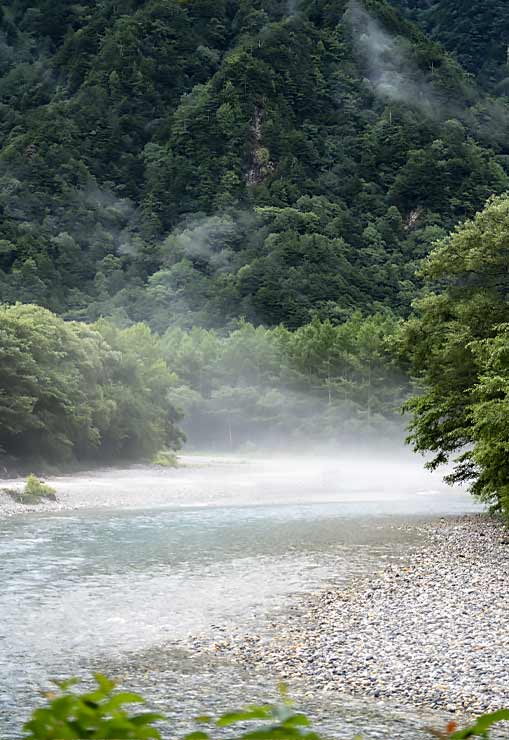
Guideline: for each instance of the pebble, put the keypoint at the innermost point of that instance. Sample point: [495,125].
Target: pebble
[432,632]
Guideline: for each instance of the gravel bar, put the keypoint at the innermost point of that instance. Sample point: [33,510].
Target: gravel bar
[431,633]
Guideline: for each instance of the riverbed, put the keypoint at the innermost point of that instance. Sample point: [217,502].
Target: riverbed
[130,566]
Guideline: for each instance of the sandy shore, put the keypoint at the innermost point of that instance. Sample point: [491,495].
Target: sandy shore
[431,633]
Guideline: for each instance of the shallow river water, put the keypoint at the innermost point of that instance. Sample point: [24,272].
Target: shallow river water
[149,558]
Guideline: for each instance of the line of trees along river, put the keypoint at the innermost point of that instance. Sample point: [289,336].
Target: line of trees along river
[98,392]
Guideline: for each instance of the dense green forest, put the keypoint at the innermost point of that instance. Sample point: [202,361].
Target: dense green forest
[76,392]
[476,33]
[191,162]
[213,215]
[69,391]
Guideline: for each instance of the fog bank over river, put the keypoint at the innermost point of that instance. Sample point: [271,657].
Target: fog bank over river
[368,484]
[130,562]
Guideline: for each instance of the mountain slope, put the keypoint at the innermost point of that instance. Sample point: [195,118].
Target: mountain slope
[477,33]
[191,161]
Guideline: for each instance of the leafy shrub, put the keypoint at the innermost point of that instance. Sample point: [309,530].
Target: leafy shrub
[35,488]
[166,459]
[104,714]
[482,725]
[96,714]
[33,492]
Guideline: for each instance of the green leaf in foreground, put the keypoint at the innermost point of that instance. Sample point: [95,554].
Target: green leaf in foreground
[105,714]
[482,725]
[102,713]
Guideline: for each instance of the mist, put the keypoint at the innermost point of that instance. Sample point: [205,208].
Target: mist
[393,76]
[202,239]
[391,72]
[292,7]
[320,386]
[249,419]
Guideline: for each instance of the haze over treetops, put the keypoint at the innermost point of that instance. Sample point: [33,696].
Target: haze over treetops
[196,161]
[255,220]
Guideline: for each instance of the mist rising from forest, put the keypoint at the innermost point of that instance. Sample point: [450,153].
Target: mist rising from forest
[169,227]
[394,76]
[321,386]
[306,440]
[202,239]
[391,71]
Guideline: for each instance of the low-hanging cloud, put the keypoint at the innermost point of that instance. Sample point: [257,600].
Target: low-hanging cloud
[204,238]
[391,72]
[292,7]
[394,76]
[117,222]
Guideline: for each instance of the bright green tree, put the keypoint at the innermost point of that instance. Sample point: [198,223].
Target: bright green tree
[457,348]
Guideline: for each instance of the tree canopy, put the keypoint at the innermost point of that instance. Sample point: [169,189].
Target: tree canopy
[69,391]
[220,207]
[322,384]
[458,345]
[195,162]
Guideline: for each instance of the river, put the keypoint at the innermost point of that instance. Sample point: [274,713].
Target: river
[138,561]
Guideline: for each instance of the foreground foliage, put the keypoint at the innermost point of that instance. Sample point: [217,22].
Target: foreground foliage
[459,345]
[100,713]
[104,713]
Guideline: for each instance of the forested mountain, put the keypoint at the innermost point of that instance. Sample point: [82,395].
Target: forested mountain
[190,162]
[477,33]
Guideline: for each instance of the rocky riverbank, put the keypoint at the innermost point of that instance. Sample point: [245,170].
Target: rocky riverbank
[135,486]
[432,632]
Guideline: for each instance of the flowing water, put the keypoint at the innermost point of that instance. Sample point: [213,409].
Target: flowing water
[149,558]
